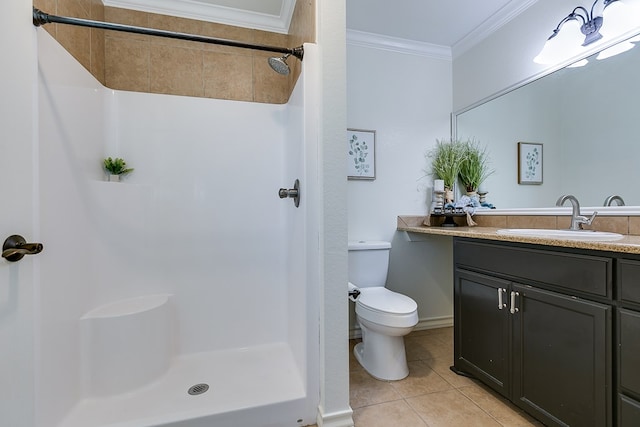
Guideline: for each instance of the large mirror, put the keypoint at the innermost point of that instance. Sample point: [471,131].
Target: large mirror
[588,120]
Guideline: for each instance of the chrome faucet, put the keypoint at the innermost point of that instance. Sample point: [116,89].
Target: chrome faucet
[576,219]
[609,200]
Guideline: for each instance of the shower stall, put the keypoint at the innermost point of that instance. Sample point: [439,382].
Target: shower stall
[186,295]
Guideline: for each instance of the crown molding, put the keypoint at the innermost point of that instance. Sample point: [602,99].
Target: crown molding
[201,11]
[491,25]
[395,44]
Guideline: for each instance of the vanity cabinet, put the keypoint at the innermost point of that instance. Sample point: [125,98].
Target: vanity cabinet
[536,326]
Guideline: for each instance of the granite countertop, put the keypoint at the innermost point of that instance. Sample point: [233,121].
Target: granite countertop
[628,244]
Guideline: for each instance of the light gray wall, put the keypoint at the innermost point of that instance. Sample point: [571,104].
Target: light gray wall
[505,58]
[406,99]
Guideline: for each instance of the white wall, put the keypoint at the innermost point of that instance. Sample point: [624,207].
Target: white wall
[18,281]
[334,410]
[406,99]
[206,223]
[71,134]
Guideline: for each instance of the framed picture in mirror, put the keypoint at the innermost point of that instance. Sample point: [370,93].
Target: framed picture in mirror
[530,163]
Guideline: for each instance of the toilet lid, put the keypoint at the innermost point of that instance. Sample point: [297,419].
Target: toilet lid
[384,300]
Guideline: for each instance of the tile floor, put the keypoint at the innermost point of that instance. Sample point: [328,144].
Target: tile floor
[432,395]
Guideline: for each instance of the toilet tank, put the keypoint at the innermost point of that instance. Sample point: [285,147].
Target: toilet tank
[368,262]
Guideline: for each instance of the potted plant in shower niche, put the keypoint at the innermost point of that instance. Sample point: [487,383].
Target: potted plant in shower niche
[115,168]
[446,160]
[475,166]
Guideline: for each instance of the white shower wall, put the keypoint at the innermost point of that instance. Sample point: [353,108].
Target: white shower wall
[199,218]
[208,225]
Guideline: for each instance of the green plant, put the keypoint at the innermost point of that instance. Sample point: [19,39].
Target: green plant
[475,166]
[446,160]
[116,166]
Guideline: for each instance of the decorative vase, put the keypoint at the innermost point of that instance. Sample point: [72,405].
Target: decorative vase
[114,178]
[472,194]
[448,195]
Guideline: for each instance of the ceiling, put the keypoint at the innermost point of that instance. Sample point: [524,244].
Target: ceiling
[447,23]
[442,23]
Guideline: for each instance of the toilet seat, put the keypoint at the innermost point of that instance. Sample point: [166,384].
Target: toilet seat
[385,307]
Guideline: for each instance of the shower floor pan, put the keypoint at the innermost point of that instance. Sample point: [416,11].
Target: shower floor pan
[256,386]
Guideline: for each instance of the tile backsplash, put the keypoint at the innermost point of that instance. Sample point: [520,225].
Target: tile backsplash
[139,63]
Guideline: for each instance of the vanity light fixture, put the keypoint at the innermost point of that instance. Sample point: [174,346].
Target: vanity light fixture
[584,27]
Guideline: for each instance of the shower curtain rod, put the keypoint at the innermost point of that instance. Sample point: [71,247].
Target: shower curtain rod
[40,18]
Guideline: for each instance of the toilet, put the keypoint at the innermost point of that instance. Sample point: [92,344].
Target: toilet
[384,316]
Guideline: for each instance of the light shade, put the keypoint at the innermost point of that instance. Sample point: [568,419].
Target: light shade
[578,64]
[566,43]
[620,17]
[615,49]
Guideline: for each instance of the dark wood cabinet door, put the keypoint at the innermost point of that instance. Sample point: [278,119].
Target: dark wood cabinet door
[481,345]
[628,412]
[561,358]
[629,352]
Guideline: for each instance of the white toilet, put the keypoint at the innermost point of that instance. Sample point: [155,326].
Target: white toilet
[385,317]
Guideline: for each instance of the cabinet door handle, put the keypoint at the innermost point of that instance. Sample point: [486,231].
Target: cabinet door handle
[514,309]
[501,304]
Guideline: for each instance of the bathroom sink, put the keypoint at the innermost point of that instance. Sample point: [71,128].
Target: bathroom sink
[586,235]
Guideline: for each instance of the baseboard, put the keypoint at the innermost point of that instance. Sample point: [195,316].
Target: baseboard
[423,324]
[336,419]
[434,323]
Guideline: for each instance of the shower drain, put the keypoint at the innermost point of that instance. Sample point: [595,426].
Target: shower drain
[197,389]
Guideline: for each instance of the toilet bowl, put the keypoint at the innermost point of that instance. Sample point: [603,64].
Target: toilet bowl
[384,316]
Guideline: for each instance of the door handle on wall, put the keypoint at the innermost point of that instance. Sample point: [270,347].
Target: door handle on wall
[15,247]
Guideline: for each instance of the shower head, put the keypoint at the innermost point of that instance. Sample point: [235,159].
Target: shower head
[280,65]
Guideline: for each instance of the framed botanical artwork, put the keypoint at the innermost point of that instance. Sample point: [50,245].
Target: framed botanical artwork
[361,158]
[529,163]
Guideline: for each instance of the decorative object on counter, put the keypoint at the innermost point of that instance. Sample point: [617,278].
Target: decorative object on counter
[115,168]
[529,163]
[475,166]
[482,196]
[446,159]
[465,206]
[361,162]
[438,195]
[438,200]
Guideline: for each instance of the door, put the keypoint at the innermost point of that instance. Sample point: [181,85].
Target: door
[17,186]
[561,358]
[481,346]
[628,368]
